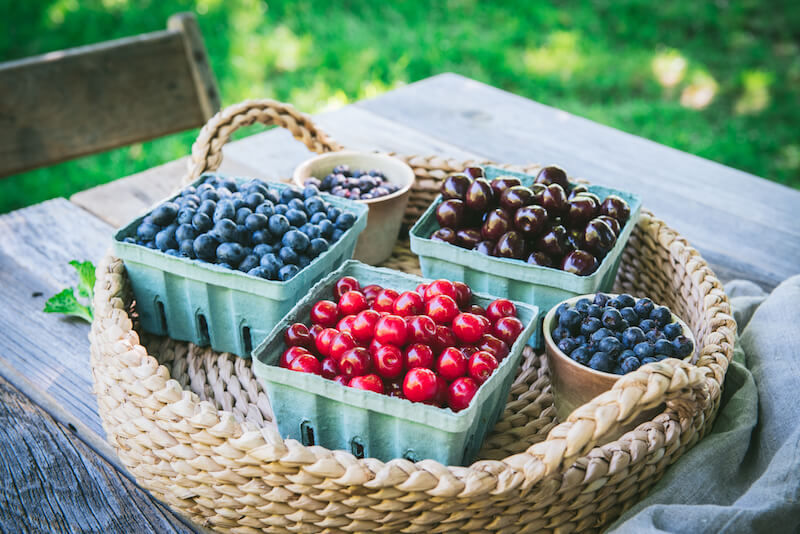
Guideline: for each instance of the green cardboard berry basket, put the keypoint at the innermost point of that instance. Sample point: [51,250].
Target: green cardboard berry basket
[317,411]
[206,304]
[514,279]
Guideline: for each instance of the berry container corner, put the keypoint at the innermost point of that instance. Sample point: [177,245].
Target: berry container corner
[514,279]
[317,411]
[210,305]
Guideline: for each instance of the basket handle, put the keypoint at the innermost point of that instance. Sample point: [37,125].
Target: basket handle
[685,388]
[207,149]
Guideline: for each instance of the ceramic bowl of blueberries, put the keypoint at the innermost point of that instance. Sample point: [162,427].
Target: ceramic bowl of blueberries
[381,182]
[592,340]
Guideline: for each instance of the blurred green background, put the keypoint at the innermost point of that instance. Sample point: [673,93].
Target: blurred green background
[717,79]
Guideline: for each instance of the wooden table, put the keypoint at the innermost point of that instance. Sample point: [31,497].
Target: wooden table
[57,471]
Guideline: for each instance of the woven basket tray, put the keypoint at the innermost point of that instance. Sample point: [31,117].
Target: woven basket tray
[195,427]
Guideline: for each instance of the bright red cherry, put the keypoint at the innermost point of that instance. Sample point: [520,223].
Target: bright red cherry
[374,345]
[463,295]
[345,324]
[461,392]
[501,308]
[468,351]
[290,354]
[354,362]
[441,309]
[388,361]
[306,363]
[330,368]
[408,303]
[363,327]
[481,366]
[476,310]
[384,301]
[419,385]
[370,382]
[418,355]
[420,329]
[393,388]
[451,364]
[494,346]
[421,290]
[341,343]
[391,330]
[370,292]
[325,313]
[442,392]
[297,335]
[324,340]
[341,379]
[345,284]
[469,328]
[352,302]
[444,338]
[315,330]
[508,329]
[440,287]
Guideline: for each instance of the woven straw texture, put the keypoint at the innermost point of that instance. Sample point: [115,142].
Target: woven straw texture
[196,429]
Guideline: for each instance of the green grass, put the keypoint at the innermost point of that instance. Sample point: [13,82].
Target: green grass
[717,79]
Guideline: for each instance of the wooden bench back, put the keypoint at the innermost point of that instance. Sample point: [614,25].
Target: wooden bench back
[80,101]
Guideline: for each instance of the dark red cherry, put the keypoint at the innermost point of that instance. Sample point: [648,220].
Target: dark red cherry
[510,245]
[496,224]
[501,183]
[448,235]
[541,259]
[615,207]
[485,247]
[580,210]
[554,242]
[479,195]
[455,186]
[475,172]
[468,238]
[599,237]
[612,222]
[579,262]
[538,193]
[515,197]
[450,213]
[575,238]
[578,189]
[592,195]
[553,175]
[530,220]
[554,200]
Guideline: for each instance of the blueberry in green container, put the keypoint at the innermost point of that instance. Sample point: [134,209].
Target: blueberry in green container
[212,304]
[317,411]
[511,278]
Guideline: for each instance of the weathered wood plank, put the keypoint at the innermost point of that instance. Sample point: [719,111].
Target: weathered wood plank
[50,481]
[742,224]
[74,102]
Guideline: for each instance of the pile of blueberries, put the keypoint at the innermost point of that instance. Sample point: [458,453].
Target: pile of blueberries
[618,334]
[354,184]
[265,232]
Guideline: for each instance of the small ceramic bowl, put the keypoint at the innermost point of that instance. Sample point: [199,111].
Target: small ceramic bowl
[575,384]
[385,216]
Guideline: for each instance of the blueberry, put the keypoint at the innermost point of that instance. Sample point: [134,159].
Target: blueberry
[582,306]
[310,190]
[311,230]
[630,364]
[256,186]
[632,336]
[287,255]
[287,271]
[594,311]
[317,246]
[172,252]
[229,184]
[560,333]
[602,361]
[296,240]
[661,316]
[326,228]
[185,216]
[643,350]
[272,263]
[627,353]
[568,344]
[590,325]
[289,193]
[337,234]
[281,209]
[261,249]
[611,345]
[672,330]
[209,195]
[207,207]
[626,300]
[205,247]
[189,190]
[129,239]
[317,218]
[249,262]
[561,309]
[165,239]
[230,253]
[296,217]
[165,213]
[242,214]
[630,315]
[187,248]
[582,354]
[189,199]
[315,205]
[601,299]
[296,204]
[653,335]
[226,209]
[243,235]
[184,232]
[647,324]
[253,200]
[333,213]
[663,346]
[226,230]
[147,231]
[600,334]
[303,261]
[205,186]
[345,220]
[262,237]
[682,346]
[278,225]
[341,169]
[256,221]
[649,360]
[612,319]
[272,196]
[614,303]
[570,319]
[267,209]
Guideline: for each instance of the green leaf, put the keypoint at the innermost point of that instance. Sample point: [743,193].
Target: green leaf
[66,303]
[86,278]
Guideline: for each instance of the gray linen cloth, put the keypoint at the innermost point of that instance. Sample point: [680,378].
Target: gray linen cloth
[745,475]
